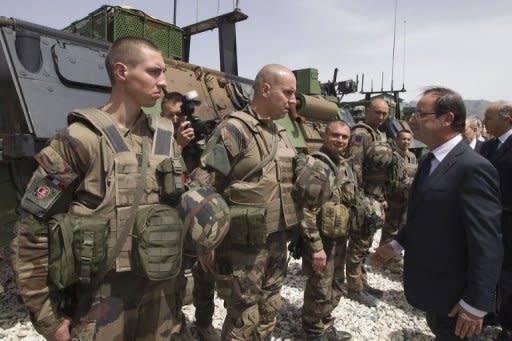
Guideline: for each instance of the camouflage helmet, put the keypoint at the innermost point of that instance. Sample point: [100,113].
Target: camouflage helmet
[206,218]
[379,155]
[315,178]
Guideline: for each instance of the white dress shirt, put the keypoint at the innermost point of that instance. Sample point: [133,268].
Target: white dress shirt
[504,137]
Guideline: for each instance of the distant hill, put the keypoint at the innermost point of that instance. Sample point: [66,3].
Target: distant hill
[474,107]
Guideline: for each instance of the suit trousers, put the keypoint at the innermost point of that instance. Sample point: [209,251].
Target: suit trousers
[443,328]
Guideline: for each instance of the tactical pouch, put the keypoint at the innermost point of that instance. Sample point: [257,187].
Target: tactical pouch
[248,225]
[169,174]
[157,243]
[78,248]
[334,220]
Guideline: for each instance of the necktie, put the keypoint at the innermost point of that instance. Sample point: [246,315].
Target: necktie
[424,170]
[494,146]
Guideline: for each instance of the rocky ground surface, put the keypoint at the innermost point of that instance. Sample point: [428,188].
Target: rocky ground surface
[393,319]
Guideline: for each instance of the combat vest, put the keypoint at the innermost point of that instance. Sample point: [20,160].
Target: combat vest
[273,189]
[411,165]
[402,175]
[336,215]
[122,168]
[377,160]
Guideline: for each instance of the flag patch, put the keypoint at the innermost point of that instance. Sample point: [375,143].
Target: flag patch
[358,140]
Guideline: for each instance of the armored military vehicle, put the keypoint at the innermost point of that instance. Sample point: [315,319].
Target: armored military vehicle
[45,73]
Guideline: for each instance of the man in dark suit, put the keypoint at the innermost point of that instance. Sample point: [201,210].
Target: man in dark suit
[498,119]
[452,239]
[473,125]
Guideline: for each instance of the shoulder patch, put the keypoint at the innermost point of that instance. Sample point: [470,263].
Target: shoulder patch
[358,140]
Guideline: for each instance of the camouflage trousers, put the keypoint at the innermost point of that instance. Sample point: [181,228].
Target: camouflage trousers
[203,295]
[395,219]
[250,280]
[128,307]
[359,243]
[323,289]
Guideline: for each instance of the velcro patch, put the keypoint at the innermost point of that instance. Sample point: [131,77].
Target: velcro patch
[42,195]
[358,140]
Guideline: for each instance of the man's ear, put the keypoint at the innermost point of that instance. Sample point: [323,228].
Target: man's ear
[120,71]
[508,119]
[265,89]
[448,118]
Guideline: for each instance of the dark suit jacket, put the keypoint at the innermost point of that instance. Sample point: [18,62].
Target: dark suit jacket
[478,146]
[502,161]
[452,239]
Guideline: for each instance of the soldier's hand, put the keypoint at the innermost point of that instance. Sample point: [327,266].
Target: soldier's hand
[185,134]
[382,255]
[318,261]
[467,323]
[62,332]
[207,261]
[385,205]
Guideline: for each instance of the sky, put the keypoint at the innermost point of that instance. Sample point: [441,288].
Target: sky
[461,44]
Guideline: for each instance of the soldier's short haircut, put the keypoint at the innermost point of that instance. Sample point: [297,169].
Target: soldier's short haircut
[340,122]
[268,74]
[173,97]
[377,99]
[404,131]
[449,101]
[126,50]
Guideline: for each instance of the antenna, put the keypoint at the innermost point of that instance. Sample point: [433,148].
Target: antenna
[382,82]
[218,7]
[174,13]
[403,66]
[394,45]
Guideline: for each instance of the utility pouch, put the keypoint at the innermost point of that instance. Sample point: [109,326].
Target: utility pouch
[78,248]
[248,225]
[334,220]
[169,175]
[157,242]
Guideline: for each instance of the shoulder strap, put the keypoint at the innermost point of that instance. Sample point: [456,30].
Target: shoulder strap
[254,125]
[100,120]
[269,157]
[367,128]
[325,158]
[163,132]
[251,122]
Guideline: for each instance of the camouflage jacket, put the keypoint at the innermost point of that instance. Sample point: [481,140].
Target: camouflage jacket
[73,156]
[345,192]
[234,149]
[366,147]
[403,169]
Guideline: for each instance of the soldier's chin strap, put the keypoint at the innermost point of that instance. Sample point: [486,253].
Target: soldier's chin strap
[91,289]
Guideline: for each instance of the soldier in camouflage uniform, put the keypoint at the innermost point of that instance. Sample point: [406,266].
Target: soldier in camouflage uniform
[90,168]
[324,231]
[372,156]
[249,159]
[203,291]
[398,195]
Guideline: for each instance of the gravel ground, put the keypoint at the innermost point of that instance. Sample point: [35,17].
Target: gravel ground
[392,319]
